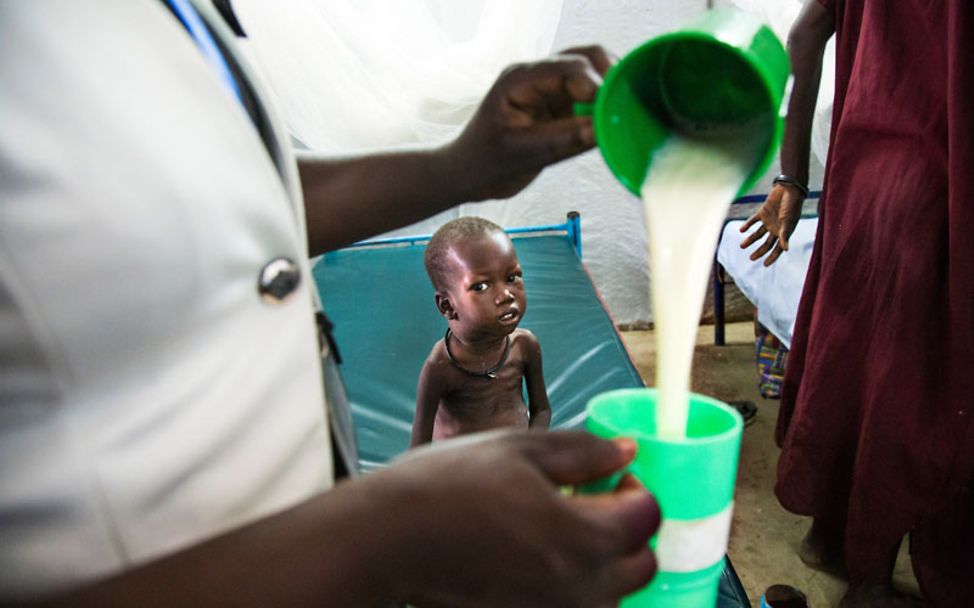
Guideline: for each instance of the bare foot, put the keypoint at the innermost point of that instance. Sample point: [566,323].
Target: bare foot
[877,595]
[821,549]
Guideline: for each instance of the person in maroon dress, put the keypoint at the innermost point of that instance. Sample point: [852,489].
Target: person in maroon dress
[875,420]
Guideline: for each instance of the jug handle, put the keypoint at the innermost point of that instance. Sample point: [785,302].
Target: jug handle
[583,108]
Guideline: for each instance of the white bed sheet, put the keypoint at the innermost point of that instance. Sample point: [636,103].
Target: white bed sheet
[774,290]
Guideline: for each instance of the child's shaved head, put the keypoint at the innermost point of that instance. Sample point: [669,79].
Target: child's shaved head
[454,231]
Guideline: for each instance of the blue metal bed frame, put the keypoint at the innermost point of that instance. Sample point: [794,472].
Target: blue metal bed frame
[572,227]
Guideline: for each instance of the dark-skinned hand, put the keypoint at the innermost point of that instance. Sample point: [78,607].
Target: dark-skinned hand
[489,526]
[526,122]
[778,217]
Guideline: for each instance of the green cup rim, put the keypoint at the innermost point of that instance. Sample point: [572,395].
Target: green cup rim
[735,429]
[690,33]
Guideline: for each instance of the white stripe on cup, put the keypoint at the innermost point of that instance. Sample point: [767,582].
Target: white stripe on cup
[688,545]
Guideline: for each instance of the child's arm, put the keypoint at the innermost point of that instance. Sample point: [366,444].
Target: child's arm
[538,404]
[428,393]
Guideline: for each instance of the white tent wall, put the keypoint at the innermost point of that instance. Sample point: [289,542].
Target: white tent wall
[614,239]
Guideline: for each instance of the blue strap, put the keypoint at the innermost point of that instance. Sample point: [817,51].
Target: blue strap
[204,40]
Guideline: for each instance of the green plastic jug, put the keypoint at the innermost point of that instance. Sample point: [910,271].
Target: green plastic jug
[723,73]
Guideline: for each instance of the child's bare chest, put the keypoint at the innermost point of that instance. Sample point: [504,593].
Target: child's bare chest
[479,396]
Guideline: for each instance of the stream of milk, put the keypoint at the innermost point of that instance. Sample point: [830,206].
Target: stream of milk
[686,193]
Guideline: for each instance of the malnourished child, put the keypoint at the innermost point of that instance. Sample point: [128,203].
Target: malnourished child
[472,379]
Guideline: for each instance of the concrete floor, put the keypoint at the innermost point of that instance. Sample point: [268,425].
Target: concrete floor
[764,537]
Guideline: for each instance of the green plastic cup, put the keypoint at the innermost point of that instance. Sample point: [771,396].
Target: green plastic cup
[722,73]
[693,481]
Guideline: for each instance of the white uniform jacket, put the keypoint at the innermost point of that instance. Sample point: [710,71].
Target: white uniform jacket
[150,396]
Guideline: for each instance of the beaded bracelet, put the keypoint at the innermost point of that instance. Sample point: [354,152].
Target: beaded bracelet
[790,181]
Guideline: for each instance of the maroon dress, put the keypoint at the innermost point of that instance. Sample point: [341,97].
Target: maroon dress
[877,407]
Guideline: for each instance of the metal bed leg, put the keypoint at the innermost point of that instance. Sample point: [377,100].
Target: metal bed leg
[574,228]
[718,306]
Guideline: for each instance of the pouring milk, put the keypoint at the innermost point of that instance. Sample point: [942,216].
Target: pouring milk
[686,193]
